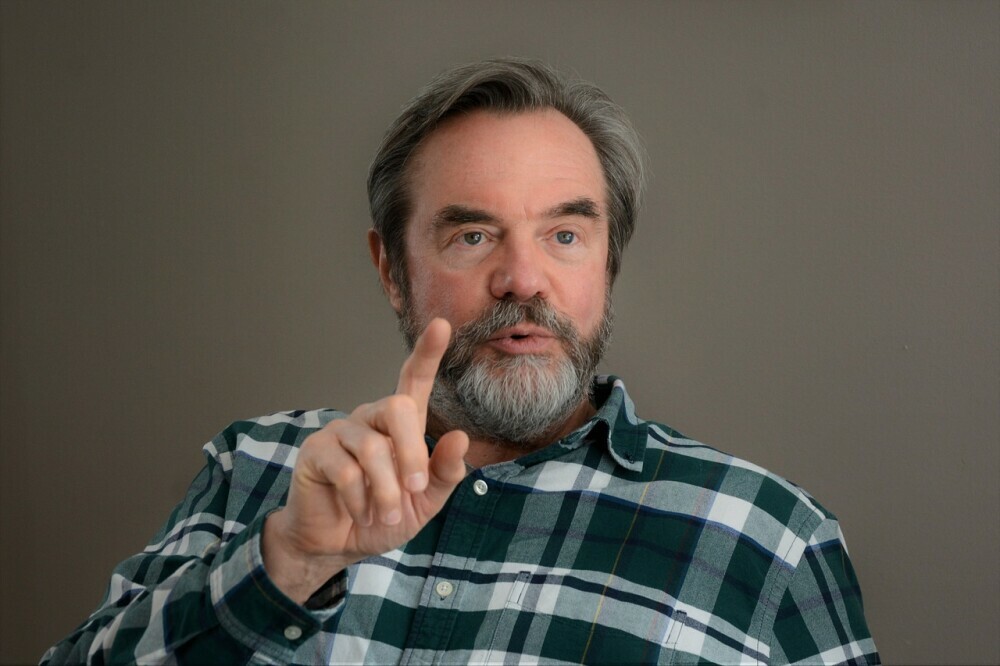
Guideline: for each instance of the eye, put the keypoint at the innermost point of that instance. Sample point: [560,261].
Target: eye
[565,237]
[473,238]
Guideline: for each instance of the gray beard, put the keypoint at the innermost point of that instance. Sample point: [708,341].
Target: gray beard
[513,400]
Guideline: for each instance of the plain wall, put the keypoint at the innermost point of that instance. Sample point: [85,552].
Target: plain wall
[813,284]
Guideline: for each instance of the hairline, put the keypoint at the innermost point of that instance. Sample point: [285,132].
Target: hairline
[506,86]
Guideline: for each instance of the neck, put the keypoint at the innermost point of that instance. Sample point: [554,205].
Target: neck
[483,452]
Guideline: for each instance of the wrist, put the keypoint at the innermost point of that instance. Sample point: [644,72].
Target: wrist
[298,574]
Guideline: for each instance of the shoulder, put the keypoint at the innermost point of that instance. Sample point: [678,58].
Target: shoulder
[705,482]
[273,438]
[736,492]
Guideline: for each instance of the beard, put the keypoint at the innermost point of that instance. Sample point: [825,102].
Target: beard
[512,399]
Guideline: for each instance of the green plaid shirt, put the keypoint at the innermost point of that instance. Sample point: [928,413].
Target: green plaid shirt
[622,543]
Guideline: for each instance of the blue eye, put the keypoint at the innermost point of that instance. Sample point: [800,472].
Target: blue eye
[473,237]
[565,237]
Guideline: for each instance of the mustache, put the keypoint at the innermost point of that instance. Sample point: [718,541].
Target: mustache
[504,314]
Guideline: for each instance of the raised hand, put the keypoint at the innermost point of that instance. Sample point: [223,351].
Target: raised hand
[365,484]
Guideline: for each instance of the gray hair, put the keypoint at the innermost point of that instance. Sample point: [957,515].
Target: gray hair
[506,85]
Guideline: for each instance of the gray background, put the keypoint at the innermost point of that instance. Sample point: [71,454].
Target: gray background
[813,285]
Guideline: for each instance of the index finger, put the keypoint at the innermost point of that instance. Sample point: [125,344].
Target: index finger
[416,378]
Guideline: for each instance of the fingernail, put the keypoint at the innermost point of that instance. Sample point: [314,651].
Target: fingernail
[416,482]
[392,517]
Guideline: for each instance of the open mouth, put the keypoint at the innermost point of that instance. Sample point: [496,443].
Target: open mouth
[521,332]
[522,339]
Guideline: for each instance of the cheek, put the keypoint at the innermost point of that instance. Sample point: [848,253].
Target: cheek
[437,294]
[583,302]
[595,309]
[588,290]
[600,301]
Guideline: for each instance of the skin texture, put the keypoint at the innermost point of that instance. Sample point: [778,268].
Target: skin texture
[365,484]
[513,180]
[504,207]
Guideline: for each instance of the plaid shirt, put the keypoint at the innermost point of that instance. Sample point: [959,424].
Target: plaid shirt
[622,543]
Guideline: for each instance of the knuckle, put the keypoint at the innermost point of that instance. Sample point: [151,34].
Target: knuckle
[333,431]
[346,476]
[400,403]
[316,442]
[371,448]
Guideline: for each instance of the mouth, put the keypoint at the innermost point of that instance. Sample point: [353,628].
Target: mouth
[522,339]
[522,332]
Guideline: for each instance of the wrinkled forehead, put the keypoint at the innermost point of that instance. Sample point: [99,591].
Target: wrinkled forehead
[506,151]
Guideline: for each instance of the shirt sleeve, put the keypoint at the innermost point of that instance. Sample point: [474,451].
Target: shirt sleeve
[198,593]
[821,618]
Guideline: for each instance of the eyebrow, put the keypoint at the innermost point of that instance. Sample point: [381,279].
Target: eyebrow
[457,214]
[582,206]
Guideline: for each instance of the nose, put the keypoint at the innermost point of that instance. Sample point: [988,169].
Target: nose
[520,271]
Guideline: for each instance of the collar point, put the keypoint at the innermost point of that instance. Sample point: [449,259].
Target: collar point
[628,461]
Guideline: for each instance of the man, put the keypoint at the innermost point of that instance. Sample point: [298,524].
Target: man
[503,505]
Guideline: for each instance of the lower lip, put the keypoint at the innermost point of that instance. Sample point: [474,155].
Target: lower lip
[530,344]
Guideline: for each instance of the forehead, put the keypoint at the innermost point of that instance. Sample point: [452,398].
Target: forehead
[528,155]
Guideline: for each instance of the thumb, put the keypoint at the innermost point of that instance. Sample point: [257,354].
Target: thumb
[447,466]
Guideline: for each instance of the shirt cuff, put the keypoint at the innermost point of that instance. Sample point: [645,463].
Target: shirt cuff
[252,608]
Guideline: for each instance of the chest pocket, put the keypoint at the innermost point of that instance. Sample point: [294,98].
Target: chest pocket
[579,631]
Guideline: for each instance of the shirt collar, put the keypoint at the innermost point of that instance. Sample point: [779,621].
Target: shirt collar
[624,432]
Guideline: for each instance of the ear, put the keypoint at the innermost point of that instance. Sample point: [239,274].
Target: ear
[377,249]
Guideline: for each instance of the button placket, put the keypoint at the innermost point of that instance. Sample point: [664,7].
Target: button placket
[457,550]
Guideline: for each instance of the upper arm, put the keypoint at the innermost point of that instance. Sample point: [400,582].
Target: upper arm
[821,616]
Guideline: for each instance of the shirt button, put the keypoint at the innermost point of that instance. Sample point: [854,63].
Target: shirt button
[480,487]
[444,588]
[293,633]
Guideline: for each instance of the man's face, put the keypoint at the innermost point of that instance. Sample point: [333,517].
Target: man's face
[509,226]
